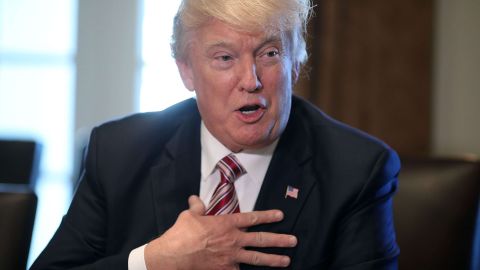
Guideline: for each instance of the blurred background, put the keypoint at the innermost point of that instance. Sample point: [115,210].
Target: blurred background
[405,71]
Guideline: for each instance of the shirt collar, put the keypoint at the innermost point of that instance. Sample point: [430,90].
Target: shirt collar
[255,161]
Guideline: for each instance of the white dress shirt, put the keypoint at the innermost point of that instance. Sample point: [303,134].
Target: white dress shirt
[255,162]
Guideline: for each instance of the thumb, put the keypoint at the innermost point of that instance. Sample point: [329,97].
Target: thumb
[196,205]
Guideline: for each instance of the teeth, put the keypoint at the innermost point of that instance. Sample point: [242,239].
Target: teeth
[248,112]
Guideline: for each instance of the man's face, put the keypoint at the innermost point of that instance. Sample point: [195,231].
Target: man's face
[243,83]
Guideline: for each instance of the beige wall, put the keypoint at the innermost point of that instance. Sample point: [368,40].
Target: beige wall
[108,57]
[456,96]
[107,60]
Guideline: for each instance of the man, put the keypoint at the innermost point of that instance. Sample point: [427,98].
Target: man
[164,190]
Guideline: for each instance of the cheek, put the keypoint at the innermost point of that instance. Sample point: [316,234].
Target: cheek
[216,83]
[280,94]
[280,88]
[214,99]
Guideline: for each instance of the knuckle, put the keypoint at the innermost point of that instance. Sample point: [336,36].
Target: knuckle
[237,219]
[185,214]
[253,218]
[260,238]
[255,260]
[235,241]
[225,262]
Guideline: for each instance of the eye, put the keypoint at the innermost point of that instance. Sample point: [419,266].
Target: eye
[270,56]
[272,53]
[224,58]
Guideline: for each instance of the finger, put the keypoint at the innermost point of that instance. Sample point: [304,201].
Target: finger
[262,259]
[248,219]
[196,205]
[267,239]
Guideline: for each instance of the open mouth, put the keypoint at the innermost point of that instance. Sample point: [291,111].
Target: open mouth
[249,109]
[252,113]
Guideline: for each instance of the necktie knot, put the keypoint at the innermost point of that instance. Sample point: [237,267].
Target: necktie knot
[230,168]
[224,199]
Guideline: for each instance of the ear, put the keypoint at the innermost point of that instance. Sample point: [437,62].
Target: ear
[186,74]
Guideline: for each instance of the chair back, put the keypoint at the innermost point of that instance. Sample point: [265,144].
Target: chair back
[18,205]
[436,214]
[19,161]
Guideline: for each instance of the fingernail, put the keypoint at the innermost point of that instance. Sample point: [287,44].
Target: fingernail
[285,261]
[279,215]
[293,241]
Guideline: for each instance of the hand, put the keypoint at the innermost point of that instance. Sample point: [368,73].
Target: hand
[197,241]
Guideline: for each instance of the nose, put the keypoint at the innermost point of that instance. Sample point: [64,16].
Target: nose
[250,80]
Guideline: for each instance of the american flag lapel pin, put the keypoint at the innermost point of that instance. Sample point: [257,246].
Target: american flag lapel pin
[291,192]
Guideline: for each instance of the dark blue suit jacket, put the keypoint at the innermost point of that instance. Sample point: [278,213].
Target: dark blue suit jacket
[134,187]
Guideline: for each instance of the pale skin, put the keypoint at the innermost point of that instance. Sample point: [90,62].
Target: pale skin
[230,71]
[243,84]
[197,241]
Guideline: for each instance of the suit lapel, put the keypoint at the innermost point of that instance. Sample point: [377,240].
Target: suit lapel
[177,173]
[284,171]
[173,181]
[289,167]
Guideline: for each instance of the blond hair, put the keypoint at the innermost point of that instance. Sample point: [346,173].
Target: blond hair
[287,16]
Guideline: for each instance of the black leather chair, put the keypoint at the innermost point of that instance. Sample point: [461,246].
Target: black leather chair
[18,205]
[19,161]
[437,214]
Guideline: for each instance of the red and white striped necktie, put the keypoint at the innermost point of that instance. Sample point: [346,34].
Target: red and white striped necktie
[224,200]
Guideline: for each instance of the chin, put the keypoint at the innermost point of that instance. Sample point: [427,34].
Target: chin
[256,136]
[255,142]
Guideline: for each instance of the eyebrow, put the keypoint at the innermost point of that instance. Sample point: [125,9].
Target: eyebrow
[268,40]
[224,44]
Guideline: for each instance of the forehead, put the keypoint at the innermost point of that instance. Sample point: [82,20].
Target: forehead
[218,34]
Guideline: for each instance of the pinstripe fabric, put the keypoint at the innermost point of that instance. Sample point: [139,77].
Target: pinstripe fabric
[224,200]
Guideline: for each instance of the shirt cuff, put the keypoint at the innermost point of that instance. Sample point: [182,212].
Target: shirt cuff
[136,259]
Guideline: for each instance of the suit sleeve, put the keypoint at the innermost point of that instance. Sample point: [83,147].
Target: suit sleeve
[80,241]
[366,235]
